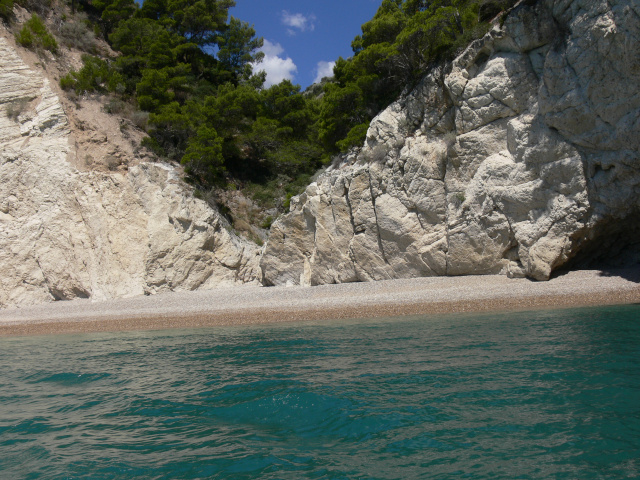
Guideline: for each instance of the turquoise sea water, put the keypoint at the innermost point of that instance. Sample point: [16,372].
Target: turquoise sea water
[547,394]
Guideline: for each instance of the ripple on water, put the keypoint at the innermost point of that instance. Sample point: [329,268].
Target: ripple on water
[550,394]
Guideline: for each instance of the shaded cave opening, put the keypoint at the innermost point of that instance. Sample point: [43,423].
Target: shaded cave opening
[612,244]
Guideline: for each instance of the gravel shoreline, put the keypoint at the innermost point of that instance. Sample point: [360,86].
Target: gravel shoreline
[250,305]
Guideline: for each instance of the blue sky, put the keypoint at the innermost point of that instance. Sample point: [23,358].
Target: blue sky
[303,37]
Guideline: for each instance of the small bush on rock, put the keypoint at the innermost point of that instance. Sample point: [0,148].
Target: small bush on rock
[34,35]
[6,9]
[354,138]
[96,75]
[15,108]
[76,33]
[112,162]
[140,119]
[25,37]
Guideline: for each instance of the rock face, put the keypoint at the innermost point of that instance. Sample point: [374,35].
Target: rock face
[67,234]
[520,156]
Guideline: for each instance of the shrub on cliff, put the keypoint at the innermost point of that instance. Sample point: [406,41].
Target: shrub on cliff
[96,75]
[34,35]
[75,32]
[6,9]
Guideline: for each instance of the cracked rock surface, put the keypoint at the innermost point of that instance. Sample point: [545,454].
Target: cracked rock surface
[67,234]
[520,156]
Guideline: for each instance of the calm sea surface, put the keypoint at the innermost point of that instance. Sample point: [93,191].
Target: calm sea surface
[547,394]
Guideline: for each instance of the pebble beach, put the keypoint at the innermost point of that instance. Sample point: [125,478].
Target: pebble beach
[250,305]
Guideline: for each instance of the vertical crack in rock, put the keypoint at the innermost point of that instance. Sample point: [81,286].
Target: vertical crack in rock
[516,269]
[375,213]
[311,223]
[348,201]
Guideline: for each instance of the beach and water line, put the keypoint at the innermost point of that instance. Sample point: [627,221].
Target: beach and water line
[460,377]
[251,305]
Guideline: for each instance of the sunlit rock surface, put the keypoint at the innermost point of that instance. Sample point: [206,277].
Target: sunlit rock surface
[519,157]
[66,234]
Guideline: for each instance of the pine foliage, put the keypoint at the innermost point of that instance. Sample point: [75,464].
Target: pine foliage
[197,74]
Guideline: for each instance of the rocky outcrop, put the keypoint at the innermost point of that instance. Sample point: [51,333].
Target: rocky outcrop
[520,156]
[67,234]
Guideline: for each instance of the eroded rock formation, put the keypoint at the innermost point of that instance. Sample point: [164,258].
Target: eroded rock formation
[516,158]
[520,156]
[67,234]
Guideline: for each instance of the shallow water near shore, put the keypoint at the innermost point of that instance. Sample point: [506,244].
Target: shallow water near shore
[545,394]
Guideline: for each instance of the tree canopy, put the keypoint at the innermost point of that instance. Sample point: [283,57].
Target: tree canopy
[193,69]
[397,46]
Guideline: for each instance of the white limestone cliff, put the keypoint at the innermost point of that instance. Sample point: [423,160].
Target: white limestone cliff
[66,233]
[520,156]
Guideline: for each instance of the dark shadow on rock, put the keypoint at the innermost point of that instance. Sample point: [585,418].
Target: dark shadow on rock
[631,273]
[559,273]
[612,246]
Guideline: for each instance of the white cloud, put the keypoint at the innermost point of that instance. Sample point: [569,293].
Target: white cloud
[298,21]
[277,67]
[324,69]
[271,49]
